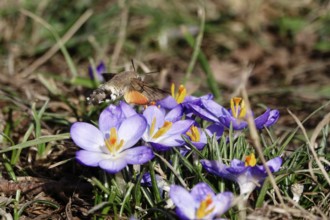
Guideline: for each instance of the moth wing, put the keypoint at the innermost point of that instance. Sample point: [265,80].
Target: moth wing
[152,93]
[108,76]
[135,97]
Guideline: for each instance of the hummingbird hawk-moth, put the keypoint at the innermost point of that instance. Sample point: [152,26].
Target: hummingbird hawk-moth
[127,84]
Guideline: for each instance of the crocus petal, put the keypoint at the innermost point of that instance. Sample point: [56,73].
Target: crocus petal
[171,141]
[175,114]
[275,164]
[183,201]
[90,158]
[222,202]
[256,174]
[273,117]
[196,100]
[110,117]
[101,67]
[113,165]
[199,145]
[200,190]
[214,108]
[152,112]
[146,179]
[180,127]
[216,129]
[87,136]
[202,113]
[262,119]
[247,186]
[127,110]
[237,167]
[191,98]
[207,96]
[166,143]
[168,103]
[159,147]
[217,168]
[203,137]
[131,130]
[99,70]
[230,120]
[138,155]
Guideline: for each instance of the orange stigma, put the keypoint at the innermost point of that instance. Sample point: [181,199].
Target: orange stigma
[113,143]
[204,208]
[250,160]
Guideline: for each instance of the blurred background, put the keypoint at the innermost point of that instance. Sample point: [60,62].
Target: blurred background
[47,49]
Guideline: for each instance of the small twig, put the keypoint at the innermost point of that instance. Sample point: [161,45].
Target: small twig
[198,42]
[173,170]
[121,34]
[255,136]
[311,142]
[36,64]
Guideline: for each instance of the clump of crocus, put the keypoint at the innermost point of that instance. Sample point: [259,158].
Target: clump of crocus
[164,130]
[200,203]
[112,145]
[246,173]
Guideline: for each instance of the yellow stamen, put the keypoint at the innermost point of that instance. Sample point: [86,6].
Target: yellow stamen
[112,143]
[194,134]
[180,95]
[204,208]
[238,108]
[173,90]
[167,125]
[250,160]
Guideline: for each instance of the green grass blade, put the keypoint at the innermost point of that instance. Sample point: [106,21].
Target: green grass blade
[40,140]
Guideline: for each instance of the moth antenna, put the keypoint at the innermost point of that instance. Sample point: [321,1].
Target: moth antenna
[132,61]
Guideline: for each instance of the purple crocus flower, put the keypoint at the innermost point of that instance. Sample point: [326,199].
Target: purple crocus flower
[111,145]
[209,110]
[100,68]
[212,111]
[180,98]
[238,114]
[246,173]
[200,203]
[114,114]
[164,130]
